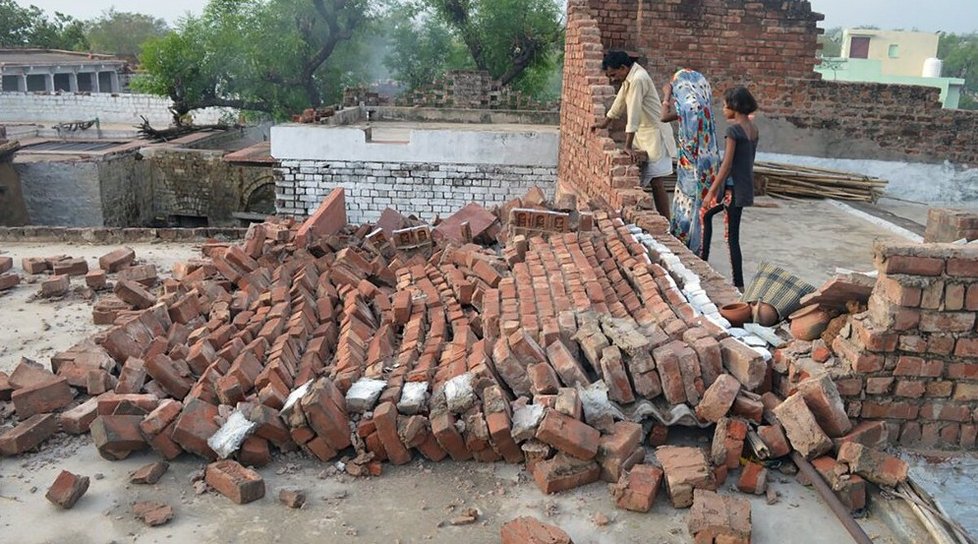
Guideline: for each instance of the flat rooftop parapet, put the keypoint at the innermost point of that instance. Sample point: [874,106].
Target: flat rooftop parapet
[412,142]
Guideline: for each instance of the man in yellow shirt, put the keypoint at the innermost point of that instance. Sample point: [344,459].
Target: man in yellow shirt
[644,129]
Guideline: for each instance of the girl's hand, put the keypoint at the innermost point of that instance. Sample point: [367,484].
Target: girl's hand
[710,200]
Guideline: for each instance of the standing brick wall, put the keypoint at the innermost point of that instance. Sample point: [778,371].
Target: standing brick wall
[590,163]
[769,45]
[912,359]
[426,189]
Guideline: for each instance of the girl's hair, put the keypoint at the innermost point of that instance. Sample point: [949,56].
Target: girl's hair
[740,100]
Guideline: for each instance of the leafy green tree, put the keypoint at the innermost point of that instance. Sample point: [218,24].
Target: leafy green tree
[421,46]
[122,33]
[960,55]
[510,39]
[274,56]
[30,27]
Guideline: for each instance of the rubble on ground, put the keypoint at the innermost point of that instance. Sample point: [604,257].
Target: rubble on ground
[522,335]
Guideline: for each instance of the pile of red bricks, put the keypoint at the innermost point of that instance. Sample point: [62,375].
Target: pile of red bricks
[911,361]
[330,339]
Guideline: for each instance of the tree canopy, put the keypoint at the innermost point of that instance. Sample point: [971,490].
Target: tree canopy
[30,27]
[123,33]
[510,39]
[960,55]
[274,56]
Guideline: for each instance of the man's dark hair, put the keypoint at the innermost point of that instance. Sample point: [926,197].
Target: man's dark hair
[740,100]
[616,59]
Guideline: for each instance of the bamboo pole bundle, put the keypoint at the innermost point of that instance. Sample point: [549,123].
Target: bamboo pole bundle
[788,180]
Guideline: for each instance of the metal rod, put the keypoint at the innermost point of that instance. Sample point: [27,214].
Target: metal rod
[829,497]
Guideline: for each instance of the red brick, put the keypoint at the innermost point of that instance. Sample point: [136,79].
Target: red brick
[164,444]
[67,489]
[716,518]
[564,472]
[615,449]
[774,438]
[914,266]
[255,452]
[568,435]
[55,286]
[195,426]
[144,274]
[670,373]
[962,268]
[174,376]
[637,490]
[117,436]
[803,431]
[6,263]
[42,398]
[293,498]
[971,298]
[897,293]
[29,373]
[34,265]
[718,398]
[161,417]
[109,402]
[879,386]
[910,389]
[28,434]
[234,481]
[329,218]
[743,363]
[826,405]
[527,530]
[850,488]
[9,281]
[328,418]
[685,469]
[753,479]
[873,465]
[543,379]
[728,442]
[889,410]
[385,417]
[116,259]
[448,437]
[70,267]
[78,419]
[149,474]
[947,321]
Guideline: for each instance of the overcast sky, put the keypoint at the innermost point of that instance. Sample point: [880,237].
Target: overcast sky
[927,15]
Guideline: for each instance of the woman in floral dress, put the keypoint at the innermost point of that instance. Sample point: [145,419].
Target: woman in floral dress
[699,152]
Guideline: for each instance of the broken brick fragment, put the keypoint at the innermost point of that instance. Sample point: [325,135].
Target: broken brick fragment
[874,465]
[685,469]
[636,491]
[720,519]
[149,474]
[67,489]
[152,513]
[234,481]
[527,530]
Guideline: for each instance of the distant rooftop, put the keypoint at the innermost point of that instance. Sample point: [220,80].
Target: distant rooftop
[53,56]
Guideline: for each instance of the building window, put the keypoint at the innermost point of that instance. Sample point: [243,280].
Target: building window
[859,48]
[894,51]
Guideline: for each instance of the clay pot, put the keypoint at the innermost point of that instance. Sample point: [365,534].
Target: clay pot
[765,315]
[809,322]
[737,313]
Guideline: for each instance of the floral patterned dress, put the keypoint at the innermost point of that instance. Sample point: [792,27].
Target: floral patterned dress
[699,155]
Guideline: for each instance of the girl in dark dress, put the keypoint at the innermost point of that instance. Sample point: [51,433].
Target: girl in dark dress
[734,182]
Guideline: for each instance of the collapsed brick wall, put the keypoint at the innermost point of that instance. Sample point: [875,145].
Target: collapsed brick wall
[770,45]
[467,89]
[912,359]
[426,189]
